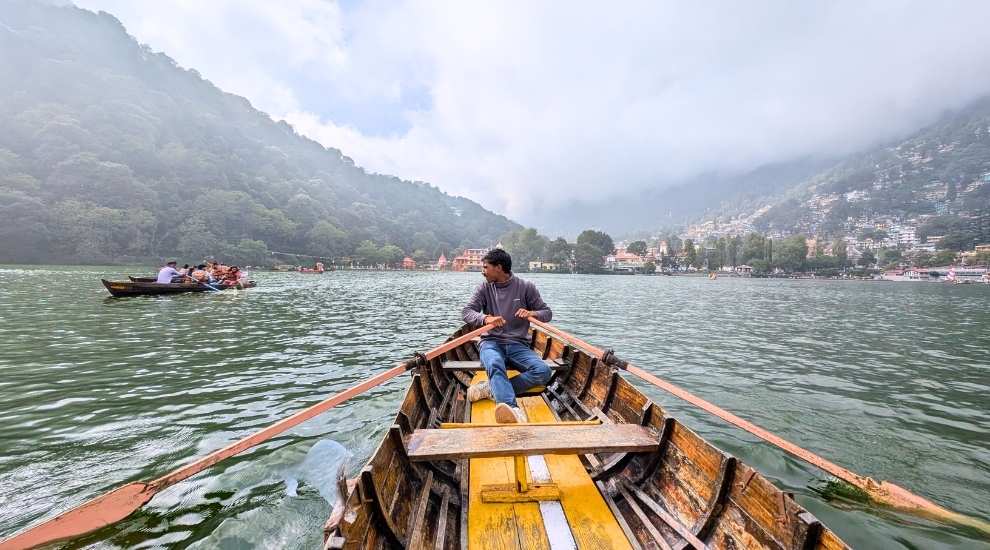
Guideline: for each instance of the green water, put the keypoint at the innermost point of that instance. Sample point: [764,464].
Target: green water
[888,379]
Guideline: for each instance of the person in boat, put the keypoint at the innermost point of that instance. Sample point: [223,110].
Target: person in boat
[202,275]
[232,277]
[168,273]
[508,302]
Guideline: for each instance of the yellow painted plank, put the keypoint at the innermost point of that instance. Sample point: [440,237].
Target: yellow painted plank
[497,526]
[591,520]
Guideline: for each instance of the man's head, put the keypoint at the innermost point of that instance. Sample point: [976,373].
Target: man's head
[171,263]
[496,266]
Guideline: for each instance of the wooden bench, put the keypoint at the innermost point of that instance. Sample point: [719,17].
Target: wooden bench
[524,440]
[460,441]
[472,366]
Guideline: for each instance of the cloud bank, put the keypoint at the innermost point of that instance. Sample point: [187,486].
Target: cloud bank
[525,107]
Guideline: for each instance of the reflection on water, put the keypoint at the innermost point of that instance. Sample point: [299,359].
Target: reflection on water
[890,380]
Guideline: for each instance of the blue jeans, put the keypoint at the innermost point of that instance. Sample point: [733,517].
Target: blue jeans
[532,370]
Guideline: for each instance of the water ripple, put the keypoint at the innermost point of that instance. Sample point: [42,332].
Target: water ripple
[888,380]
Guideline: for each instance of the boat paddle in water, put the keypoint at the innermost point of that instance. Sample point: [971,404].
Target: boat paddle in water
[119,503]
[880,492]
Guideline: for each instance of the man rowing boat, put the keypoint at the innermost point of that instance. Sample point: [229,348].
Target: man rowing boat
[508,302]
[168,273]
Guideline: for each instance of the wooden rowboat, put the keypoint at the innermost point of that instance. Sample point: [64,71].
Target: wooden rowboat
[139,288]
[598,466]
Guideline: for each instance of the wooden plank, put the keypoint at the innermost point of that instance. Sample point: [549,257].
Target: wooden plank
[591,520]
[703,526]
[422,503]
[442,524]
[458,425]
[644,520]
[472,366]
[666,517]
[529,440]
[767,505]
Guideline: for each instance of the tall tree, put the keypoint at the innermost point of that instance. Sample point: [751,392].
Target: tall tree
[735,247]
[598,239]
[792,253]
[840,252]
[587,258]
[690,253]
[754,247]
[637,247]
[867,259]
[525,246]
[559,252]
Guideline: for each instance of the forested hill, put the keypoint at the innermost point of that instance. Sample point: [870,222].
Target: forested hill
[111,152]
[935,181]
[939,177]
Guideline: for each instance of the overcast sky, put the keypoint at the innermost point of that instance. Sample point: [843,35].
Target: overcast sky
[526,105]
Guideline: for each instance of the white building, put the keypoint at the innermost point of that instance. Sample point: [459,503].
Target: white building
[907,236]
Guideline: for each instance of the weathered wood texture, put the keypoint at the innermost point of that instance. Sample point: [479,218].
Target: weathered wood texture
[675,491]
[472,366]
[589,521]
[395,503]
[529,440]
[497,526]
[699,488]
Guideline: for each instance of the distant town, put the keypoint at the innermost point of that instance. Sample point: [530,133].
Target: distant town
[885,250]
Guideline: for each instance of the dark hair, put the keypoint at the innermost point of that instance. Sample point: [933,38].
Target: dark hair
[201,266]
[497,256]
[185,266]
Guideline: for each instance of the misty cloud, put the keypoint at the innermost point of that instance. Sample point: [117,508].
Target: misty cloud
[525,106]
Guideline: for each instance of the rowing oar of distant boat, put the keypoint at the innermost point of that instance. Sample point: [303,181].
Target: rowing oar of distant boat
[146,286]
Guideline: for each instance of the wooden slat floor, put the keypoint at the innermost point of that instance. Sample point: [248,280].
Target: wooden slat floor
[503,526]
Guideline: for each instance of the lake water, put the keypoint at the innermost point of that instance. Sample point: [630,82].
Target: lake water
[890,380]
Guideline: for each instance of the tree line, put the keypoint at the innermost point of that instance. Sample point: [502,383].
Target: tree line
[763,254]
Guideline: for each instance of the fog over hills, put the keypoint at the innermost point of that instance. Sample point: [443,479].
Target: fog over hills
[627,120]
[531,109]
[111,152]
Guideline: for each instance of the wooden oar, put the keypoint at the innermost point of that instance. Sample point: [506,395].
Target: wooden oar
[883,492]
[116,505]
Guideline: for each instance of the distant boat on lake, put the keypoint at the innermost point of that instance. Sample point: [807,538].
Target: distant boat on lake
[119,289]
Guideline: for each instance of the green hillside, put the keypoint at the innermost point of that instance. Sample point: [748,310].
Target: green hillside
[111,152]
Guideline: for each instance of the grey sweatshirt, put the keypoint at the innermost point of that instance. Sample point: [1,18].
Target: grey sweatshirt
[504,299]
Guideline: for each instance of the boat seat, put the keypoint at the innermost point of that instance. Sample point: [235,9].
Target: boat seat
[523,440]
[471,366]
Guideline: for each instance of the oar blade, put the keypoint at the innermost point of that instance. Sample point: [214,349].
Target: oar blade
[104,510]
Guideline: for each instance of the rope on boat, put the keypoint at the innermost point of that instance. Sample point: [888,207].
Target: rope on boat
[883,492]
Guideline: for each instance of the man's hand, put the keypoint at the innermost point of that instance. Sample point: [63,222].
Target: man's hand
[523,313]
[499,322]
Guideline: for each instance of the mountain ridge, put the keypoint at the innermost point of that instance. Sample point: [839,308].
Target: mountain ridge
[115,152]
[942,170]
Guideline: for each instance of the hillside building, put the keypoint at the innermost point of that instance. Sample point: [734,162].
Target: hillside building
[470,260]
